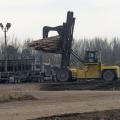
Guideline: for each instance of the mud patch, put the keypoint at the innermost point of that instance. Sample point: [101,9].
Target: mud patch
[100,115]
[15,97]
[82,85]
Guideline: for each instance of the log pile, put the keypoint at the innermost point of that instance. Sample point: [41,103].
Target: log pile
[50,44]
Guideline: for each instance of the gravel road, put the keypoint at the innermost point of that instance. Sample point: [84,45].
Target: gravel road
[54,102]
[59,102]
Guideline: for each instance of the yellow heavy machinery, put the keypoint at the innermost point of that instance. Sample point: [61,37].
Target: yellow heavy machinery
[91,68]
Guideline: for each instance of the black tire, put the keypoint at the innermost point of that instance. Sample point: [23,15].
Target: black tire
[63,75]
[108,75]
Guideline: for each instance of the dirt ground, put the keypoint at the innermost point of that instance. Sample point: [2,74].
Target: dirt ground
[101,115]
[50,103]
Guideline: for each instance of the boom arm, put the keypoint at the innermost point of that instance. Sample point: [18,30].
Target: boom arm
[66,36]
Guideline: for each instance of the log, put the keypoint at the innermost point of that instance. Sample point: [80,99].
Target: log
[54,39]
[50,44]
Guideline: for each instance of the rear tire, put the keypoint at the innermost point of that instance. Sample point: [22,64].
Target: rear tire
[109,75]
[63,75]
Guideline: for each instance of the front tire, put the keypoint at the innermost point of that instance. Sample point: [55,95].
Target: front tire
[63,75]
[109,75]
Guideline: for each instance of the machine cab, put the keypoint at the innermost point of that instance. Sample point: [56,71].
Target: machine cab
[91,57]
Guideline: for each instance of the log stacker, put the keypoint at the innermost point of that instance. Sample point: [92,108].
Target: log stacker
[92,67]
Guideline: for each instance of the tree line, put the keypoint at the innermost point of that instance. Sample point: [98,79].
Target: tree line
[110,50]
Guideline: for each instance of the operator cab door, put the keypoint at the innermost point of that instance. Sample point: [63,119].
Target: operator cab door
[92,65]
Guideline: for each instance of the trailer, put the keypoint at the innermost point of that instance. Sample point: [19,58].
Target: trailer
[18,70]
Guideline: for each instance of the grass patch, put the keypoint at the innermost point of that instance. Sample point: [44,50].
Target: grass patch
[16,97]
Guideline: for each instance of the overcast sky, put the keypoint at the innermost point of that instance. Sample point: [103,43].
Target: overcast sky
[93,17]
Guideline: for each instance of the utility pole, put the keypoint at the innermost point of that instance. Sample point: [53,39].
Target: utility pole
[5,50]
[5,29]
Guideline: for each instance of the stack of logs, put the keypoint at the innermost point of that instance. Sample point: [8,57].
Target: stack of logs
[50,44]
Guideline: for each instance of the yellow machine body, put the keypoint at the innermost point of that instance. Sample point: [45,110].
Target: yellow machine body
[93,71]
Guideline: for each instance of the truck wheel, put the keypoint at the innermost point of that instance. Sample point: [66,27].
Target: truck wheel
[63,75]
[108,75]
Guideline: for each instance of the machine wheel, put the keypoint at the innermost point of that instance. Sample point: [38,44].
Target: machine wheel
[63,75]
[108,75]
